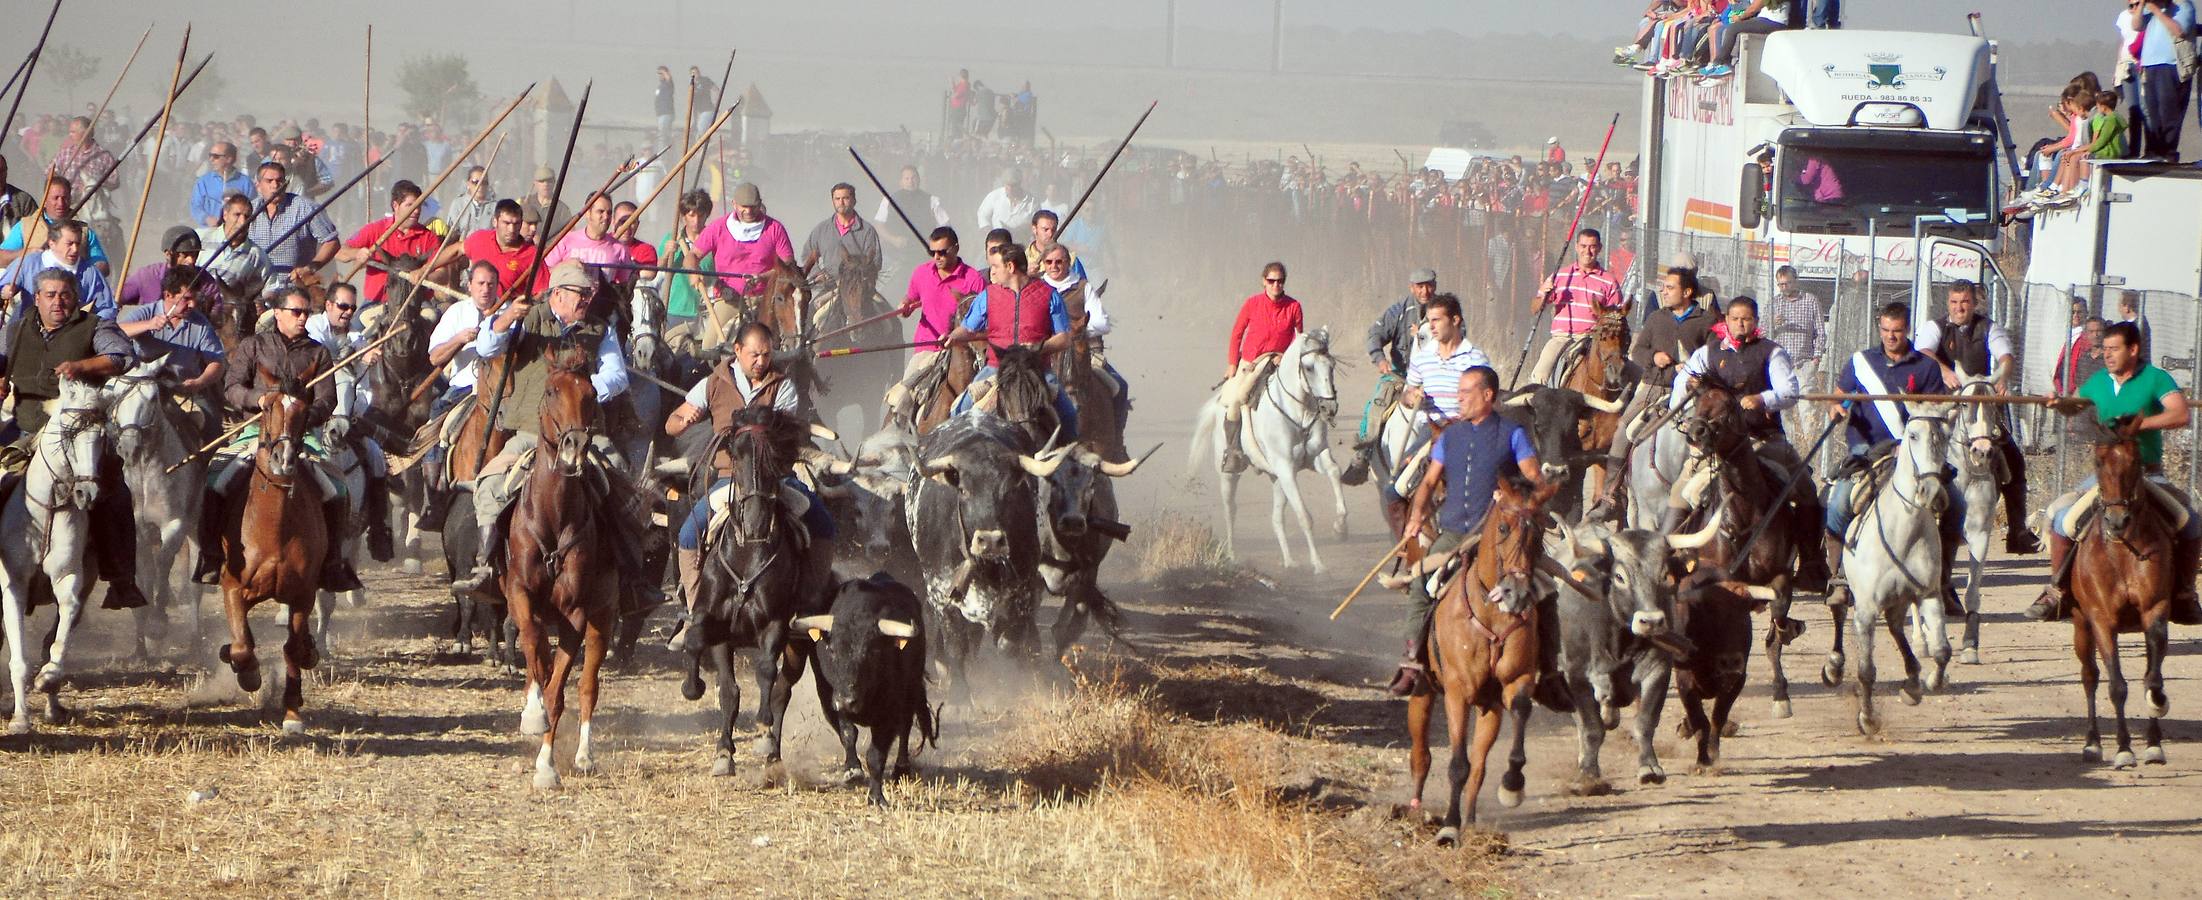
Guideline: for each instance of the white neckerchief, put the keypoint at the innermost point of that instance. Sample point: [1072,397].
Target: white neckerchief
[1063,285]
[746,232]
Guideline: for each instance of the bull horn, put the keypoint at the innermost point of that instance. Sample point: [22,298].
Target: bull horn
[672,468]
[834,489]
[1052,437]
[894,629]
[817,626]
[823,433]
[1522,399]
[841,466]
[1127,467]
[1702,536]
[1039,467]
[1602,405]
[939,465]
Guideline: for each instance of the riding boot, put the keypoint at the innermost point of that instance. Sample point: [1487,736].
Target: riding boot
[688,637]
[117,550]
[1234,458]
[1614,491]
[2018,539]
[2056,599]
[1950,607]
[376,507]
[1412,678]
[212,518]
[2184,609]
[1838,587]
[336,571]
[1812,560]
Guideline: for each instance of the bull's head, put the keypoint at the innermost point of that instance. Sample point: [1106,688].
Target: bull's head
[982,491]
[1067,497]
[874,485]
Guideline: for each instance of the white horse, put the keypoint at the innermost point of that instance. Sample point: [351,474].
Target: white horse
[166,503]
[1892,553]
[49,520]
[1980,484]
[1287,432]
[1655,464]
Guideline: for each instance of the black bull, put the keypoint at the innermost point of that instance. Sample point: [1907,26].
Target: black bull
[974,517]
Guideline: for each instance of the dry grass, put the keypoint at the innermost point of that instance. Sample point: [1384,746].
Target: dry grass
[1177,551]
[1119,784]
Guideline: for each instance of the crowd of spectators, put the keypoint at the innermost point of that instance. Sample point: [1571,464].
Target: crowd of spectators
[2139,115]
[1698,37]
[978,111]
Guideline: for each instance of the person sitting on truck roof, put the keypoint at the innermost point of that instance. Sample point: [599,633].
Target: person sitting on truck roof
[1761,17]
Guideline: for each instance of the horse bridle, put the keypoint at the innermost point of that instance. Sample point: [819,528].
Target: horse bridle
[1277,389]
[66,478]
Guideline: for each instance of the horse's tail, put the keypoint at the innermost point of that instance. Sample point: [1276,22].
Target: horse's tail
[1204,426]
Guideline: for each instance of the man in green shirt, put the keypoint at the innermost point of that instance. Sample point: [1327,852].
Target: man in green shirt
[2128,387]
[683,292]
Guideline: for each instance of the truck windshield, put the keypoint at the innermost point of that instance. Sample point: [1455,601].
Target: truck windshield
[1833,189]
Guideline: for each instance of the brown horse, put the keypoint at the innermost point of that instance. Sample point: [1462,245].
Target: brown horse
[779,297]
[2122,582]
[272,546]
[560,574]
[1089,394]
[1601,376]
[1483,652]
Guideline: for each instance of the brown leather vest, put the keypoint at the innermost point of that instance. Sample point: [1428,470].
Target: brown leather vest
[723,399]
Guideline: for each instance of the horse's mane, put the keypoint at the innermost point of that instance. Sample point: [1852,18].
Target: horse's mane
[1020,387]
[779,439]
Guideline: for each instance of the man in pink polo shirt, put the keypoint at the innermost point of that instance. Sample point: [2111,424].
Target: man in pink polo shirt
[593,244]
[1577,294]
[745,241]
[937,291]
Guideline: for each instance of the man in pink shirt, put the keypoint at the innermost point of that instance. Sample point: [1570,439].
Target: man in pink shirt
[937,291]
[594,244]
[745,242]
[1577,294]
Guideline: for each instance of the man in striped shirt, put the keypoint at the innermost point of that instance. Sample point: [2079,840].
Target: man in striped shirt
[1433,373]
[1577,294]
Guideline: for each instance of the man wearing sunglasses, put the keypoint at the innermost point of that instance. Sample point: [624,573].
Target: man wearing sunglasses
[61,340]
[474,211]
[937,291]
[338,328]
[222,179]
[1089,318]
[529,329]
[258,365]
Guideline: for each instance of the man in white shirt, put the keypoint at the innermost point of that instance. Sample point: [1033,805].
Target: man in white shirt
[1009,206]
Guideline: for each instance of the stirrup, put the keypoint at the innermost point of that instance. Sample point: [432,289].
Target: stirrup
[1411,680]
[474,579]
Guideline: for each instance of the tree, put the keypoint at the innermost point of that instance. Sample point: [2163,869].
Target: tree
[438,86]
[67,65]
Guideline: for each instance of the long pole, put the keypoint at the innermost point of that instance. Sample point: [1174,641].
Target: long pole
[206,272]
[890,197]
[1804,470]
[718,101]
[153,165]
[2016,399]
[86,196]
[1365,579]
[687,134]
[238,428]
[29,68]
[527,277]
[367,118]
[111,89]
[858,351]
[635,220]
[1557,265]
[445,175]
[1097,176]
[12,76]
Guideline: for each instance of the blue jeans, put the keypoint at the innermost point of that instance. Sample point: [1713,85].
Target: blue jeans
[2165,98]
[1838,511]
[1123,399]
[1827,13]
[1064,412]
[817,518]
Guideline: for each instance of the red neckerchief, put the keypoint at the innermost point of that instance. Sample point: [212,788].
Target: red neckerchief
[1720,331]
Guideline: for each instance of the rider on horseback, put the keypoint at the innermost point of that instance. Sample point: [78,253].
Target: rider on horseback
[845,245]
[1024,312]
[1578,294]
[744,243]
[1874,429]
[1391,346]
[63,340]
[530,330]
[177,332]
[1468,458]
[747,380]
[1266,326]
[1968,341]
[1759,371]
[1046,229]
[937,289]
[1059,268]
[337,328]
[282,353]
[2128,387]
[1677,329]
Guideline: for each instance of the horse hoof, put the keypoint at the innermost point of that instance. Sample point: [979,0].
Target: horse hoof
[1610,716]
[1589,787]
[534,723]
[546,779]
[48,681]
[2153,755]
[1937,680]
[1729,728]
[1683,731]
[1867,725]
[1971,656]
[19,726]
[2091,752]
[765,749]
[222,653]
[1651,775]
[585,765]
[1448,836]
[1831,673]
[1781,709]
[1910,693]
[410,567]
[722,766]
[846,775]
[691,687]
[248,680]
[293,728]
[2124,760]
[1509,799]
[2159,707]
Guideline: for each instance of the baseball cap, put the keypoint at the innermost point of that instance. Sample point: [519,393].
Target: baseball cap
[570,274]
[1422,276]
[746,194]
[179,238]
[545,173]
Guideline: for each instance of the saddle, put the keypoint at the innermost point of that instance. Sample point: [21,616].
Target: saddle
[1265,368]
[721,504]
[1870,475]
[2082,513]
[1571,355]
[932,380]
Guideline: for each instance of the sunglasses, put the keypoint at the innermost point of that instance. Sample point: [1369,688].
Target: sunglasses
[940,253]
[293,310]
[346,307]
[1273,280]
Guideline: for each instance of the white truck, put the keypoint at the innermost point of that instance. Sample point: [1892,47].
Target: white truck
[1878,145]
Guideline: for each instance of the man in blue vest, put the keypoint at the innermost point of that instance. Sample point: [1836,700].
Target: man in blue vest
[1967,342]
[1873,428]
[1468,458]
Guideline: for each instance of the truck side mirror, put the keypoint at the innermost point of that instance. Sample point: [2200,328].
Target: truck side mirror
[1751,198]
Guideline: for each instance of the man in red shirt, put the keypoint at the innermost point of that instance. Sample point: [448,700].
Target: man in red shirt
[407,237]
[501,245]
[1267,324]
[623,229]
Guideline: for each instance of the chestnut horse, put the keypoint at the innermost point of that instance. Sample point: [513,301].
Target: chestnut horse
[560,574]
[2122,581]
[1601,376]
[273,544]
[1483,653]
